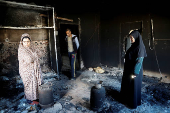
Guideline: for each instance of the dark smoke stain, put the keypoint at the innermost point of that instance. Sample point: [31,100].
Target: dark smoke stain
[1,45]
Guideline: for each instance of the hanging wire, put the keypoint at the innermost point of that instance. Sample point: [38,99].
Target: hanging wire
[155,50]
[158,63]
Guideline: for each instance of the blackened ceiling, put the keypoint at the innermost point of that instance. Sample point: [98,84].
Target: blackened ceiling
[106,6]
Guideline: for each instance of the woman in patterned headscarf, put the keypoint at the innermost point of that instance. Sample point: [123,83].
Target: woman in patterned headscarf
[29,68]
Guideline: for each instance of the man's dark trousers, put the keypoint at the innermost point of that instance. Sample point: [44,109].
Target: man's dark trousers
[72,57]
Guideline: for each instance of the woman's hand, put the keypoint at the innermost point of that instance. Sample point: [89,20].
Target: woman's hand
[133,76]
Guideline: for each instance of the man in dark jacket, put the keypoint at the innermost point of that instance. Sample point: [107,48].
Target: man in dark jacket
[73,45]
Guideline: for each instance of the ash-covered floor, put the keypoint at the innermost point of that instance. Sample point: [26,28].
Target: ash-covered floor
[73,96]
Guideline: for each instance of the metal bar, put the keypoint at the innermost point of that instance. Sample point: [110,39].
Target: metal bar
[61,18]
[26,27]
[69,23]
[49,40]
[55,41]
[24,4]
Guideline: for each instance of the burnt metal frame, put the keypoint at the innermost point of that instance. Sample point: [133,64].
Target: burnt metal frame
[36,7]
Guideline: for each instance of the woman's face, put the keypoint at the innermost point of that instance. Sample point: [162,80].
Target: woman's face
[26,42]
[132,39]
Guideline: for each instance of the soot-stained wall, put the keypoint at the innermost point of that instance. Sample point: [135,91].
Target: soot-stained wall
[9,64]
[113,28]
[17,16]
[9,43]
[90,39]
[19,19]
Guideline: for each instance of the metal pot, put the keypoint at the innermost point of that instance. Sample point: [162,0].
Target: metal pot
[97,97]
[46,98]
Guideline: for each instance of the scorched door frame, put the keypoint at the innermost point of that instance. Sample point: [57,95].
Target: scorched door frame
[120,54]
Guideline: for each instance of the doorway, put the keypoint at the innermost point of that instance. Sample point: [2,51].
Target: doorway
[125,28]
[63,46]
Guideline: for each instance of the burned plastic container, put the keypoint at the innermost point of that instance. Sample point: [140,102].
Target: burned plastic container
[46,98]
[97,97]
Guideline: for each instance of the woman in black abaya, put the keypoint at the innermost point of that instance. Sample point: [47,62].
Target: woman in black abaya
[133,71]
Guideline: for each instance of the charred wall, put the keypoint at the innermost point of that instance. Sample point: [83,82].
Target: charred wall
[101,29]
[21,16]
[9,64]
[90,39]
[111,26]
[9,44]
[90,35]
[13,23]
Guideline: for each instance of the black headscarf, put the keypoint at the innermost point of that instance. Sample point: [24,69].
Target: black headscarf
[137,48]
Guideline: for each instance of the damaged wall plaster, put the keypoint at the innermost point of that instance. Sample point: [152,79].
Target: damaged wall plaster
[9,42]
[20,14]
[19,19]
[14,35]
[9,65]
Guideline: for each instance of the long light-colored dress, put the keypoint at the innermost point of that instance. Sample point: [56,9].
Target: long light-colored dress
[29,69]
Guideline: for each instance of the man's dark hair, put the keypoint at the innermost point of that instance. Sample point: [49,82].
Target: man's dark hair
[68,29]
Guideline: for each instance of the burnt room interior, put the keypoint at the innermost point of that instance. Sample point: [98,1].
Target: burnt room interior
[102,29]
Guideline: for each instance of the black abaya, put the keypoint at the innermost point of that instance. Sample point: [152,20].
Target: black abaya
[131,87]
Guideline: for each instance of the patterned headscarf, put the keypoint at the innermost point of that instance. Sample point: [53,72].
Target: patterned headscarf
[31,47]
[25,34]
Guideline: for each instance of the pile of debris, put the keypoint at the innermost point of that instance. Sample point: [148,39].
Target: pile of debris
[113,71]
[12,95]
[155,94]
[74,95]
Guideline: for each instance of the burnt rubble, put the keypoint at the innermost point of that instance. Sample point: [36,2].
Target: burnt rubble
[74,95]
